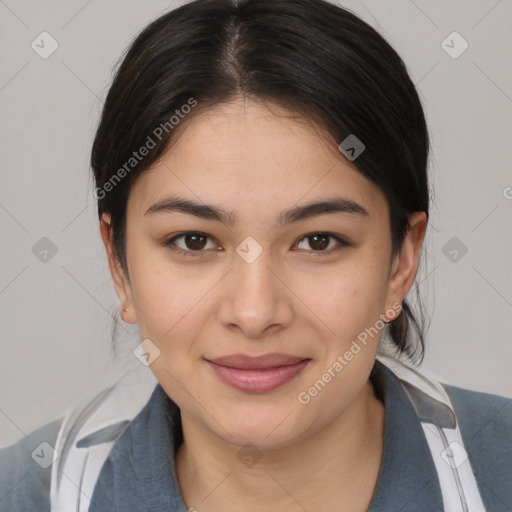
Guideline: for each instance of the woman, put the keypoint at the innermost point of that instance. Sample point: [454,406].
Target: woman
[261,177]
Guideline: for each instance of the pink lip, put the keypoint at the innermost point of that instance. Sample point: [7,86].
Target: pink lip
[257,374]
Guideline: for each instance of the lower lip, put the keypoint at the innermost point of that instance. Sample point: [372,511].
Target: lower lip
[258,381]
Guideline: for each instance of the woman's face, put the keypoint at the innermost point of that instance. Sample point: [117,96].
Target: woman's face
[257,280]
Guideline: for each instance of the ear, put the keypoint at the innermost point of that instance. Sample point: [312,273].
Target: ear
[121,282]
[405,263]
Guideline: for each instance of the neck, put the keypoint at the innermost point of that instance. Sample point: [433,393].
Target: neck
[337,468]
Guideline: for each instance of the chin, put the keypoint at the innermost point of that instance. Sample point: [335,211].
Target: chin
[263,427]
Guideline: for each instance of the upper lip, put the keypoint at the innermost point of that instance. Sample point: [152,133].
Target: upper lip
[245,362]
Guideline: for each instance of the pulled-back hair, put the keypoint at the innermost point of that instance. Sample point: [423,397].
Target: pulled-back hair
[310,56]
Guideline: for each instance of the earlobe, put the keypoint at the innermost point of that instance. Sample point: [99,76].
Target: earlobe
[406,261]
[128,315]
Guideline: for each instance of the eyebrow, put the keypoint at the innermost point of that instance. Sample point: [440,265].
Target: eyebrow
[296,214]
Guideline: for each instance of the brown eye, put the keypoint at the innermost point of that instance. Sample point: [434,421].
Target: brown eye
[195,242]
[191,244]
[319,242]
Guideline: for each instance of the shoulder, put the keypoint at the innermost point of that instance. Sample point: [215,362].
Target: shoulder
[25,470]
[485,422]
[482,411]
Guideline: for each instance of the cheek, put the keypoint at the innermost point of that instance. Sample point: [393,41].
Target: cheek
[169,299]
[349,310]
[346,300]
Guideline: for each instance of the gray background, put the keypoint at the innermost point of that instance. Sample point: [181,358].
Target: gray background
[56,315]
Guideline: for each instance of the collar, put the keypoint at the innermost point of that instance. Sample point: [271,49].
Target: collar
[408,478]
[139,474]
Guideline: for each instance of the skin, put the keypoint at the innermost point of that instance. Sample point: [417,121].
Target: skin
[257,160]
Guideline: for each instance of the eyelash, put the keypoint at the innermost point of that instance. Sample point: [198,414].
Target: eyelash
[200,253]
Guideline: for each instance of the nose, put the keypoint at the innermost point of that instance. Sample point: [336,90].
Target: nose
[256,299]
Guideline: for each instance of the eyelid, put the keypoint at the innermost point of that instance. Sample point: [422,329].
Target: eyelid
[342,243]
[170,242]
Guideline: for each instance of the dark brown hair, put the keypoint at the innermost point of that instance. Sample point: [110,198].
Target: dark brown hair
[310,56]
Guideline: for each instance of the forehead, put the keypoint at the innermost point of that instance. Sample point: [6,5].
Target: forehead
[248,153]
